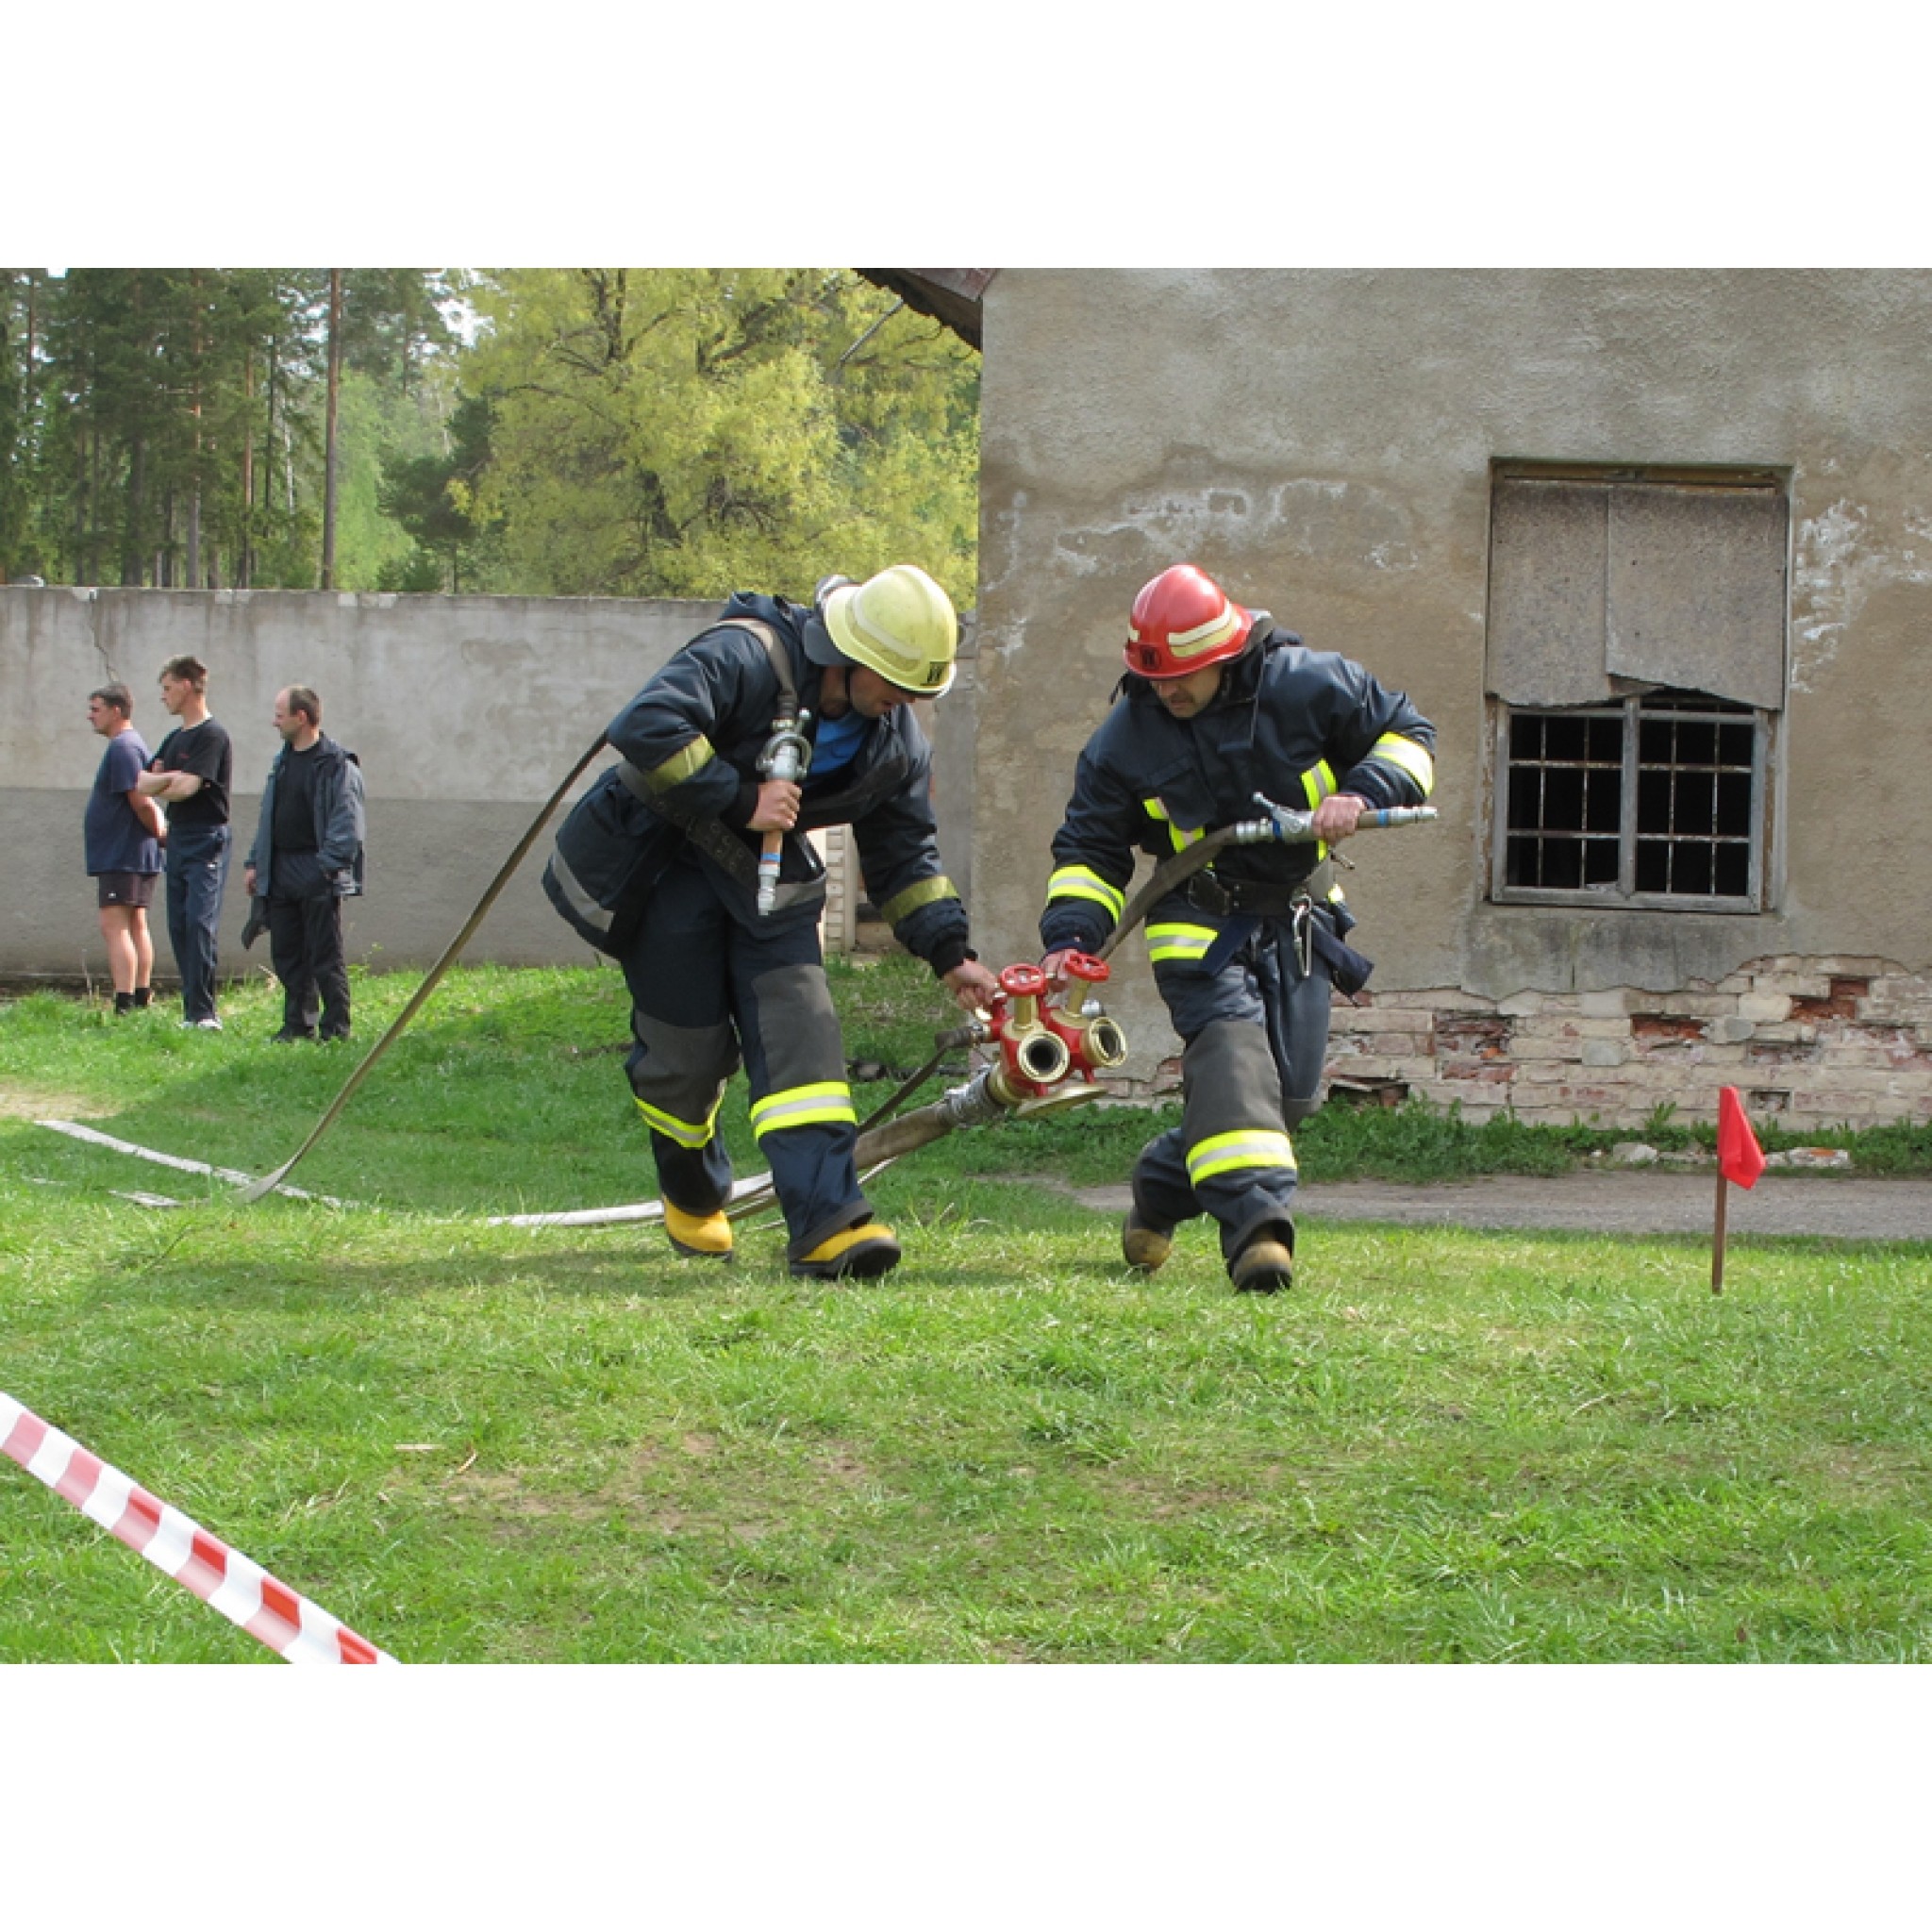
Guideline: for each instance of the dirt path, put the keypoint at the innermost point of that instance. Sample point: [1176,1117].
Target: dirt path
[1839,1206]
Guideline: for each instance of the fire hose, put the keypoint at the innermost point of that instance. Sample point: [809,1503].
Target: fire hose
[1278,824]
[269,1182]
[1044,1057]
[1046,1054]
[785,756]
[1027,1079]
[984,1099]
[1289,827]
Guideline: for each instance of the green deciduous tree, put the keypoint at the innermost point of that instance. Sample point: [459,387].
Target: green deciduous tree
[683,432]
[641,432]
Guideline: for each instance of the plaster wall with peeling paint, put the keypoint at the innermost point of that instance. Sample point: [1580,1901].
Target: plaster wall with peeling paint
[1323,441]
[466,713]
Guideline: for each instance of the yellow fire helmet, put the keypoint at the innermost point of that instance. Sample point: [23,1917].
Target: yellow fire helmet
[899,624]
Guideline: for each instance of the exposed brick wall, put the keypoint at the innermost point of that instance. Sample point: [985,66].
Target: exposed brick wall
[838,923]
[1822,1043]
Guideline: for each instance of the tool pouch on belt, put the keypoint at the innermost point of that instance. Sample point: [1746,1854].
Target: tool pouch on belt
[1348,969]
[608,853]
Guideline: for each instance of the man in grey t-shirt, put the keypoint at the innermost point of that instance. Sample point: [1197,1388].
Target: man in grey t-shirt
[122,831]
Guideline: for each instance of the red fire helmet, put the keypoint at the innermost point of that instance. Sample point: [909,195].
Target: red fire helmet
[1182,622]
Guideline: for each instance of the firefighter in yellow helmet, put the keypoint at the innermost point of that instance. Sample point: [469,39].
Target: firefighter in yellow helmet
[657,865]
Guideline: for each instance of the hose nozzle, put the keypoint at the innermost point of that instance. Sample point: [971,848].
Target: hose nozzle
[787,756]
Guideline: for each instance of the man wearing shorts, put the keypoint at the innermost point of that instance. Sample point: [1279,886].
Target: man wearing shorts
[123,832]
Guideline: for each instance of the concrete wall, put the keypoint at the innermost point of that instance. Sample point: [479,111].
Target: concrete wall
[466,712]
[1323,441]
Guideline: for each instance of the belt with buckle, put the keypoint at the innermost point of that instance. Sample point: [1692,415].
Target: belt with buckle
[1256,898]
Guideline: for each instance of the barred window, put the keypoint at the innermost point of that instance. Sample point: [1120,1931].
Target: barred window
[1654,801]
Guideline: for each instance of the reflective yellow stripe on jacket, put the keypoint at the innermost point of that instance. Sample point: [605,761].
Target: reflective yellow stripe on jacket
[1246,1147]
[828,1103]
[927,892]
[1083,882]
[1407,756]
[681,765]
[1178,839]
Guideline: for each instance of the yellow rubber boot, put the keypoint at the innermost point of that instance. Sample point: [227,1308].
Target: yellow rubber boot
[868,1249]
[704,1238]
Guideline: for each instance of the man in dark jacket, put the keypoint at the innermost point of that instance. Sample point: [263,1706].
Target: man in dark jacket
[1218,704]
[660,866]
[306,859]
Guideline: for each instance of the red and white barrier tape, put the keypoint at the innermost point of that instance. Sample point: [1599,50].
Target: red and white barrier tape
[177,1546]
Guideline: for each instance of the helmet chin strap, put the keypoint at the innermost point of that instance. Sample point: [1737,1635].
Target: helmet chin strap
[835,691]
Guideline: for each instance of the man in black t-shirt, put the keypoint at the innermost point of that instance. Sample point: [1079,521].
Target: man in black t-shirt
[191,776]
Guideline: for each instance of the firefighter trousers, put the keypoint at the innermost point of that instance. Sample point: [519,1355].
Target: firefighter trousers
[710,985]
[1250,1000]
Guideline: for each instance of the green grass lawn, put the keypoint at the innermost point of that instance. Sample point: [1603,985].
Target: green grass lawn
[490,1444]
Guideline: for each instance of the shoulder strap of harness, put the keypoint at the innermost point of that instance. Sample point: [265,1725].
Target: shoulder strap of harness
[781,663]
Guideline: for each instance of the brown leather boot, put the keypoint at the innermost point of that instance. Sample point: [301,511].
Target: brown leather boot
[1145,1243]
[1263,1267]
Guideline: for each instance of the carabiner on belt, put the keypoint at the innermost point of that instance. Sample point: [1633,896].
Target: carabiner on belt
[1302,928]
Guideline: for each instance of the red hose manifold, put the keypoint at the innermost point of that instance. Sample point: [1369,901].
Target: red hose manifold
[1048,1053]
[1093,1037]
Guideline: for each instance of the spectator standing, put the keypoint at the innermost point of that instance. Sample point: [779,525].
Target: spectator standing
[191,776]
[123,832]
[306,859]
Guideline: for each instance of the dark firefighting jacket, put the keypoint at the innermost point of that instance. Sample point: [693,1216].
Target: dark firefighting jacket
[1295,724]
[688,781]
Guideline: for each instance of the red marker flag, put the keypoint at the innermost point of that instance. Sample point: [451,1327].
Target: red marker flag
[1740,1158]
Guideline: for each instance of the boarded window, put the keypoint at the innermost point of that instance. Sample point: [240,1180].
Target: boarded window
[1599,582]
[1636,654]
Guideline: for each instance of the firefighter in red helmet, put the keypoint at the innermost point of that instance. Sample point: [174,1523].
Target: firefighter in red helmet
[1219,704]
[1181,622]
